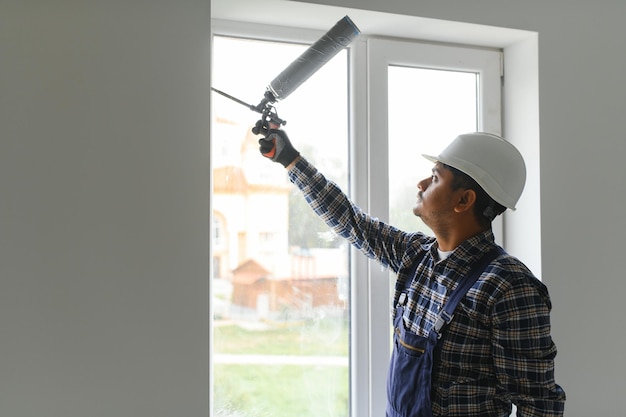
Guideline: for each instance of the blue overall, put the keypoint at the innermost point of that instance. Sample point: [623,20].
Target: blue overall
[409,376]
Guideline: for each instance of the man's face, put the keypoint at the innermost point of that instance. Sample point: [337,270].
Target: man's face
[435,199]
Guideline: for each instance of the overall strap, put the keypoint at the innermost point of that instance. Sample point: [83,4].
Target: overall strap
[447,313]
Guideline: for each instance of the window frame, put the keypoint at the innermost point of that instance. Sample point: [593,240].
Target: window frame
[369,296]
[381,53]
[262,32]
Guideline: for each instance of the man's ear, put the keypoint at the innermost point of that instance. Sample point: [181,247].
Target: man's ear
[466,201]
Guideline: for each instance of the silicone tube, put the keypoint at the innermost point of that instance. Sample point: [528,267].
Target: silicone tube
[315,57]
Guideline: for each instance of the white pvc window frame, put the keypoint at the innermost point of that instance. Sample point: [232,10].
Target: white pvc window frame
[370,143]
[369,59]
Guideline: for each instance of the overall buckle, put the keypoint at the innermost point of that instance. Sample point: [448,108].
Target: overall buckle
[443,319]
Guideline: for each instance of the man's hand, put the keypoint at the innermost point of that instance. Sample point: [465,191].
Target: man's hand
[277,147]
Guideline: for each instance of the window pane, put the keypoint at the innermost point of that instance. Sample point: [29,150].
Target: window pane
[280,285]
[427,110]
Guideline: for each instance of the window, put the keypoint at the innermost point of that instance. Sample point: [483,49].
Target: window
[395,69]
[219,232]
[298,334]
[281,333]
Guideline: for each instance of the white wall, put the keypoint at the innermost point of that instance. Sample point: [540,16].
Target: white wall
[104,208]
[581,151]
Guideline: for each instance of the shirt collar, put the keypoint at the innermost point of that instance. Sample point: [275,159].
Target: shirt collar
[473,248]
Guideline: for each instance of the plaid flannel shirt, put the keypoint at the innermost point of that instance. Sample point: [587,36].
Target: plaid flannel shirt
[498,349]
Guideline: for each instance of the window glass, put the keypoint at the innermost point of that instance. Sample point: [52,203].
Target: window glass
[422,95]
[279,285]
[428,108]
[280,280]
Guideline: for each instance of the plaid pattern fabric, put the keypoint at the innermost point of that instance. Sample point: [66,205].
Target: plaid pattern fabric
[497,350]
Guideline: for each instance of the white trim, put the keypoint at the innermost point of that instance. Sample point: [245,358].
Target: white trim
[266,32]
[301,14]
[361,356]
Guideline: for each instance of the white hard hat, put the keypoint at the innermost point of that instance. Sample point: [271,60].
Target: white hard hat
[495,164]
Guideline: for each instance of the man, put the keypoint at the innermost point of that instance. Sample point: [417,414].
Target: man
[496,350]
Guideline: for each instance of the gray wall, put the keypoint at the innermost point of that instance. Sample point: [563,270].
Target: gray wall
[103,208]
[104,199]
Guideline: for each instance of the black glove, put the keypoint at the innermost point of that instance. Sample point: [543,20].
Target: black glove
[277,147]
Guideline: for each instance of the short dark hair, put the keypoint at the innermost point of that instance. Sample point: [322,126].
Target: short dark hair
[486,208]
